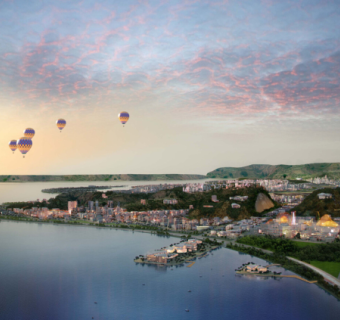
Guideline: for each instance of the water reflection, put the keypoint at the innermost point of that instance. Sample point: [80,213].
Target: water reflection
[58,272]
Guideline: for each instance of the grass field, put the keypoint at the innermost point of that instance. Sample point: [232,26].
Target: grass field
[332,268]
[305,244]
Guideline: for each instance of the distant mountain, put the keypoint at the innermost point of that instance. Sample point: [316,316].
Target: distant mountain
[99,177]
[259,171]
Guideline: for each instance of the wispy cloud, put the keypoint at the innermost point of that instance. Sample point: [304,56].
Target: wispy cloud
[228,58]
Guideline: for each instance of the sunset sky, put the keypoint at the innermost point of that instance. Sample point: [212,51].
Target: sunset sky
[207,84]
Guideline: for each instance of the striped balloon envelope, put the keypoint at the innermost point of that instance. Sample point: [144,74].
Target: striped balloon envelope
[61,123]
[24,145]
[123,117]
[13,145]
[29,133]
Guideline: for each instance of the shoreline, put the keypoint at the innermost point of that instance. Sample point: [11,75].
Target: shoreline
[329,288]
[96,226]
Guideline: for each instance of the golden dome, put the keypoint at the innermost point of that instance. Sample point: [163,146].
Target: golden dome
[283,217]
[326,221]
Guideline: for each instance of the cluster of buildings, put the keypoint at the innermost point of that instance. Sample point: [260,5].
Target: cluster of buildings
[167,254]
[288,225]
[292,199]
[42,213]
[196,187]
[271,185]
[324,180]
[235,229]
[254,268]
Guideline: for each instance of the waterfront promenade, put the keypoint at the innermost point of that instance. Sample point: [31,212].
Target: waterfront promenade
[326,275]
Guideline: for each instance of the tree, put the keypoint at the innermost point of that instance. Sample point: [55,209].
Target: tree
[244,173]
[284,176]
[298,236]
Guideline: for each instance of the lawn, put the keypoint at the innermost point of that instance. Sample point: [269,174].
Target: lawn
[305,244]
[332,268]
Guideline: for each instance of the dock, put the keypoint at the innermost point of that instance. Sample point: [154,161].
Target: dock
[191,264]
[276,275]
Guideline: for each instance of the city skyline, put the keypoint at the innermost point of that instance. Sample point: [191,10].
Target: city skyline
[207,84]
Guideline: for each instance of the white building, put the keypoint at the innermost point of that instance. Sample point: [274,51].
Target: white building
[235,206]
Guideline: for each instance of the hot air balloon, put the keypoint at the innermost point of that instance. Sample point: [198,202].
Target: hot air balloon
[29,133]
[24,145]
[61,123]
[123,117]
[13,145]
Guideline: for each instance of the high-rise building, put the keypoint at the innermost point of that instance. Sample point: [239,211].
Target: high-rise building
[72,205]
[110,203]
[91,205]
[97,204]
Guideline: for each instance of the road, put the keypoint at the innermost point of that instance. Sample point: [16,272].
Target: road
[326,275]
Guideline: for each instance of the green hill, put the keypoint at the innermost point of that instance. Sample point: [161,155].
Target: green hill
[311,205]
[99,177]
[260,171]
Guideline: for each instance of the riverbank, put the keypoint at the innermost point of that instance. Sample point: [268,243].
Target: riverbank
[151,230]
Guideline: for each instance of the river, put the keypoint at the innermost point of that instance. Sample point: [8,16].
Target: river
[29,191]
[58,272]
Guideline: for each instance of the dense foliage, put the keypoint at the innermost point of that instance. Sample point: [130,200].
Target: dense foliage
[319,252]
[313,206]
[260,171]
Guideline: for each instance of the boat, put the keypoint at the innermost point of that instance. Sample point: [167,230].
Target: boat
[186,310]
[189,291]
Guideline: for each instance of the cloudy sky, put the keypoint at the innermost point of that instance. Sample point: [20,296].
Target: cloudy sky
[207,84]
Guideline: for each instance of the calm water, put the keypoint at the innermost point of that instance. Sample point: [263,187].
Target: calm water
[58,272]
[29,191]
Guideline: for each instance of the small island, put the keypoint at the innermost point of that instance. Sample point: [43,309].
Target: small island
[179,253]
[251,268]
